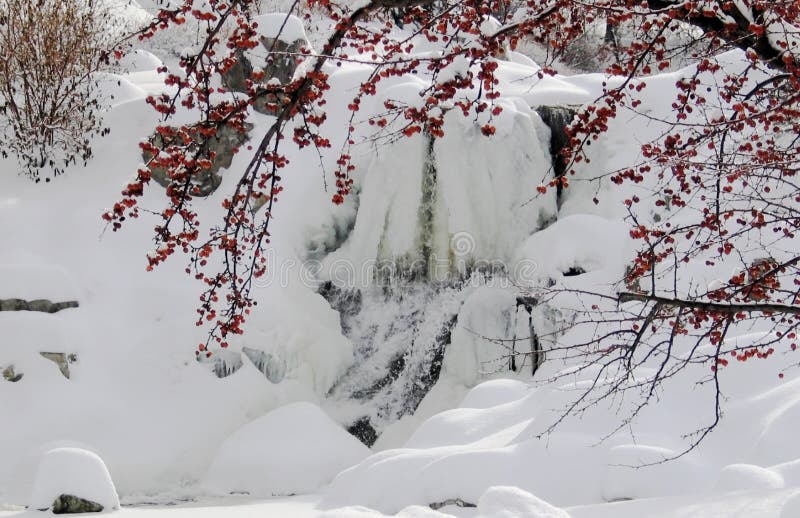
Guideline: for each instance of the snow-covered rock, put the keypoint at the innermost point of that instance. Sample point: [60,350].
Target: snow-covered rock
[74,472]
[139,60]
[512,502]
[293,449]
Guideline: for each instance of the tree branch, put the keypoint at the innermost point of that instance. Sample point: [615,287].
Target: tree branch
[709,306]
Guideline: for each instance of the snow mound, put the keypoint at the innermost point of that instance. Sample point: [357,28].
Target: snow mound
[640,471]
[495,392]
[584,241]
[512,502]
[278,25]
[421,511]
[740,477]
[114,89]
[777,430]
[294,449]
[139,60]
[463,452]
[76,472]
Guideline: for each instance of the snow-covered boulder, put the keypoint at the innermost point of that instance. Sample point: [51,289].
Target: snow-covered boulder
[644,471]
[512,502]
[71,480]
[294,449]
[741,477]
[495,392]
[139,60]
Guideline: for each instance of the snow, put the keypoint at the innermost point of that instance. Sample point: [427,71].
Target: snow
[597,245]
[494,393]
[763,504]
[486,313]
[740,477]
[76,472]
[791,507]
[139,60]
[170,431]
[634,471]
[512,502]
[22,278]
[292,450]
[278,25]
[477,180]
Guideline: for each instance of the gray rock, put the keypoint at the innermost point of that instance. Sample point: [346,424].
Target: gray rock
[62,360]
[41,305]
[282,58]
[222,145]
[235,78]
[71,504]
[281,64]
[557,118]
[10,375]
[457,502]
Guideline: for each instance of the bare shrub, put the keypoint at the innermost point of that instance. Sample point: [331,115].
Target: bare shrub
[49,51]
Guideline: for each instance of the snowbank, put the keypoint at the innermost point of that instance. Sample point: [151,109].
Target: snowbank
[293,449]
[511,502]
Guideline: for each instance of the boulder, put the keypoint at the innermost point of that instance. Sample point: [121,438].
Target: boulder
[71,504]
[9,374]
[557,118]
[40,305]
[283,42]
[62,360]
[235,78]
[73,480]
[222,145]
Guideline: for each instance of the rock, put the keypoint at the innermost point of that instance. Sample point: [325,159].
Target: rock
[557,118]
[73,480]
[235,78]
[278,70]
[62,360]
[222,145]
[363,430]
[275,60]
[282,59]
[10,375]
[40,305]
[451,501]
[70,504]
